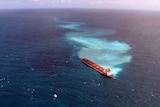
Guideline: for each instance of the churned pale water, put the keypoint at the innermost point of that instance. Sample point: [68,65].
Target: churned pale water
[100,50]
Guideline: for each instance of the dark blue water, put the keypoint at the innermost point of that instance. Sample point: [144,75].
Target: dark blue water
[40,57]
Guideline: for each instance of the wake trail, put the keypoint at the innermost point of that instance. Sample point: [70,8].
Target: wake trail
[106,53]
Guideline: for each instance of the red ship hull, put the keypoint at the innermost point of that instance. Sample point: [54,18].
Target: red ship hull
[96,67]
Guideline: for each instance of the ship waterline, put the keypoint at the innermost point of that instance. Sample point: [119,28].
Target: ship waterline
[106,72]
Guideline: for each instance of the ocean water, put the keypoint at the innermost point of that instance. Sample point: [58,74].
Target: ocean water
[41,51]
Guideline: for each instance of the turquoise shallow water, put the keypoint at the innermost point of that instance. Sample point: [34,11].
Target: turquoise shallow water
[104,52]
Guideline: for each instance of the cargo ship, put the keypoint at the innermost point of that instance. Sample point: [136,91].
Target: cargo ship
[106,72]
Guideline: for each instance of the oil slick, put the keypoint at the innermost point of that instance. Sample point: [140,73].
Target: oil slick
[102,51]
